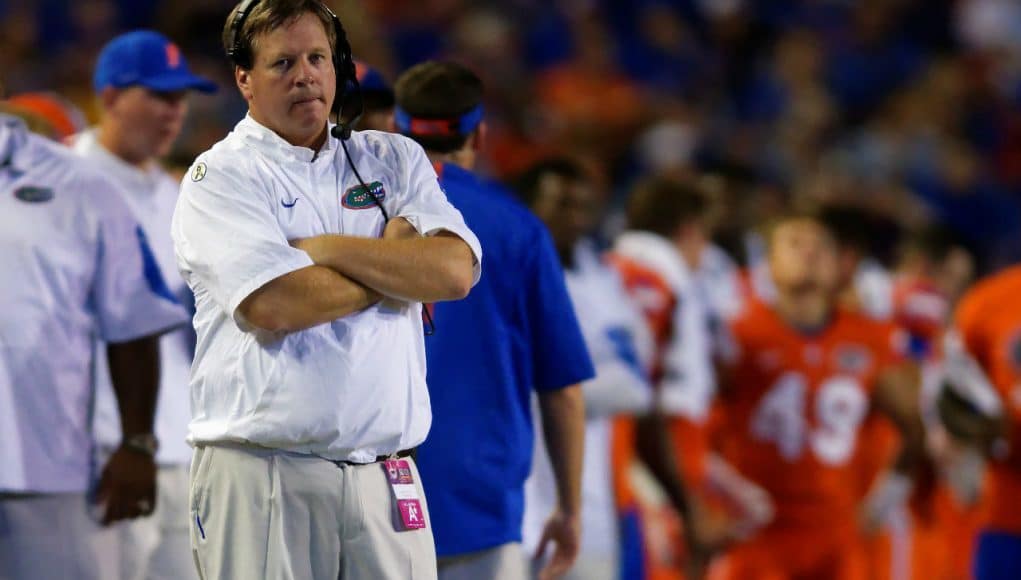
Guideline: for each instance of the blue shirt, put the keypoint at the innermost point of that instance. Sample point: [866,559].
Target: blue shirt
[515,332]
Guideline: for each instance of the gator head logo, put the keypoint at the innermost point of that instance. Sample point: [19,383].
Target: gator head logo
[33,194]
[358,197]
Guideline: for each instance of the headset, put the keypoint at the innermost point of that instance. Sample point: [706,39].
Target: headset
[349,93]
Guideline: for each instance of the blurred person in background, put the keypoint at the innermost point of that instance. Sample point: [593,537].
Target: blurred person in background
[142,82]
[514,335]
[932,272]
[77,266]
[64,117]
[559,192]
[983,361]
[802,378]
[377,99]
[658,256]
[863,283]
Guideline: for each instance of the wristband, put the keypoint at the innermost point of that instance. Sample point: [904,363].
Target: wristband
[144,443]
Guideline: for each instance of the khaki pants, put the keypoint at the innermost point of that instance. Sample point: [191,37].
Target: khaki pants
[264,514]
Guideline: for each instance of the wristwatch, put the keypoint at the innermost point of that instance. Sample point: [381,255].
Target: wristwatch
[144,443]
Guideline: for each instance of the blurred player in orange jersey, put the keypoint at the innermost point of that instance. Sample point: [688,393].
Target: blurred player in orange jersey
[921,540]
[984,369]
[804,376]
[933,271]
[658,258]
[665,233]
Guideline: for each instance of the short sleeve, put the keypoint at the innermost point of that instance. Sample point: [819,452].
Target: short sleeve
[130,296]
[227,239]
[425,205]
[560,358]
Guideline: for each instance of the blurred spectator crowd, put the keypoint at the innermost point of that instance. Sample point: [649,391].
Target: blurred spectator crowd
[905,107]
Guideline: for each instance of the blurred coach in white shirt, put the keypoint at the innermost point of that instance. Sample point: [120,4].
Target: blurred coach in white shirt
[141,81]
[75,266]
[309,369]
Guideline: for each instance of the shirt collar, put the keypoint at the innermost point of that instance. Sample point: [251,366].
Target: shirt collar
[267,141]
[88,142]
[13,136]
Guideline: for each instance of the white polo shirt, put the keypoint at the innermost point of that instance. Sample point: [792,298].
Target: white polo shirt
[348,390]
[151,195]
[75,265]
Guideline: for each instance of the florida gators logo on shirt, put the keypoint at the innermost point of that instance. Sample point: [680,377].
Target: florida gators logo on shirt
[358,197]
[33,194]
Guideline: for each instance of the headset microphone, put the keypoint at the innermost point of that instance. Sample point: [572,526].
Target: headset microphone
[349,94]
[352,94]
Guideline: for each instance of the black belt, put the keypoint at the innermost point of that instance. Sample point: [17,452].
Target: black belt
[405,453]
[400,455]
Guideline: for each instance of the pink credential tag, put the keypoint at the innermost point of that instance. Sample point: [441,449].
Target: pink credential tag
[398,472]
[411,514]
[402,483]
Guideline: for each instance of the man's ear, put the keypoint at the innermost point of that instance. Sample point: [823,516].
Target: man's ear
[480,136]
[243,78]
[108,97]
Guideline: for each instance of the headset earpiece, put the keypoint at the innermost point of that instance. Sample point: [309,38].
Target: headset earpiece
[349,91]
[237,53]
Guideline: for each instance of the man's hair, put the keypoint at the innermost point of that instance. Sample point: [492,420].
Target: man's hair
[438,90]
[269,15]
[794,215]
[377,100]
[934,242]
[851,226]
[527,184]
[662,205]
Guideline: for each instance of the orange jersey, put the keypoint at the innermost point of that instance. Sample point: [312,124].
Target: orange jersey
[795,407]
[989,322]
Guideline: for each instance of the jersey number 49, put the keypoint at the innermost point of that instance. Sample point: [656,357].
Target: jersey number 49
[782,418]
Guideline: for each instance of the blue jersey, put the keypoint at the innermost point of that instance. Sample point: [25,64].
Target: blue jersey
[516,332]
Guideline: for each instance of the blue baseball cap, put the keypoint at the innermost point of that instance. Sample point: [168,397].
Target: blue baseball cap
[149,59]
[370,79]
